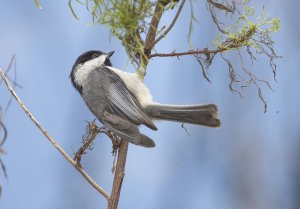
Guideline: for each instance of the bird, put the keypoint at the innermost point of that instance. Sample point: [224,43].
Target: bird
[122,102]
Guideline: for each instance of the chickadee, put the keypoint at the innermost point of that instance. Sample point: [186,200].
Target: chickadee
[122,102]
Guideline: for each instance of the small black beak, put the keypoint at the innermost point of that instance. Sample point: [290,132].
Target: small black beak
[109,54]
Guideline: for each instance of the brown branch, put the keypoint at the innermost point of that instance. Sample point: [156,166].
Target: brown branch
[171,25]
[120,148]
[52,141]
[144,60]
[119,175]
[150,37]
[191,52]
[158,11]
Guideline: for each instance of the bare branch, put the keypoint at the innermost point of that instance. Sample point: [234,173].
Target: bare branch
[52,141]
[150,37]
[171,25]
[119,175]
[190,52]
[159,9]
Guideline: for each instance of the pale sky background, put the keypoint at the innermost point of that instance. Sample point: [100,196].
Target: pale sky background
[252,161]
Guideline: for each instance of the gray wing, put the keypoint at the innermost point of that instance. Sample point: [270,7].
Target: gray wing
[127,130]
[122,102]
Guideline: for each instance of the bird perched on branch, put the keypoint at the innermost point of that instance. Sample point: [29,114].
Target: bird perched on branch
[122,102]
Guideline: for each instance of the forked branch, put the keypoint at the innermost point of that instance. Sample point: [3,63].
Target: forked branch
[171,25]
[150,37]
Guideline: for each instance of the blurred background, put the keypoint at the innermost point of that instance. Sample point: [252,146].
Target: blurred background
[252,161]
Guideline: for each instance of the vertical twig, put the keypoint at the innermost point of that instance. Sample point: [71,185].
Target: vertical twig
[119,175]
[144,60]
[150,37]
[159,9]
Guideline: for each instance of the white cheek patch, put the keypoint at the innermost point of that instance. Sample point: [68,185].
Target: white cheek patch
[83,70]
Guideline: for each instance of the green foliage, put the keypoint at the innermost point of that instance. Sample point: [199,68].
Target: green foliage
[247,32]
[128,20]
[37,3]
[125,19]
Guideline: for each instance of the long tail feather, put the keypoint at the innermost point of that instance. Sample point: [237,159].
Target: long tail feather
[206,115]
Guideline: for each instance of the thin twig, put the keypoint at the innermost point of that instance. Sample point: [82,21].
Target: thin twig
[2,165]
[203,68]
[217,22]
[13,63]
[220,6]
[52,141]
[171,25]
[191,52]
[4,135]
